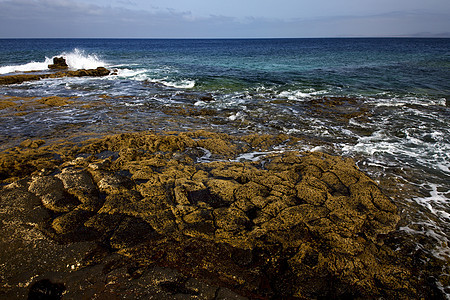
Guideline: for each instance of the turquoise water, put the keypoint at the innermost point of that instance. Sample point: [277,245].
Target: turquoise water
[341,66]
[384,102]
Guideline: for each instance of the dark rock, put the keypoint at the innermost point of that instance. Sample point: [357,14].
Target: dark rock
[43,185]
[130,232]
[15,79]
[204,290]
[174,288]
[207,98]
[99,72]
[226,294]
[230,219]
[45,289]
[242,257]
[32,143]
[18,205]
[70,221]
[104,222]
[78,181]
[59,63]
[60,202]
[113,184]
[80,184]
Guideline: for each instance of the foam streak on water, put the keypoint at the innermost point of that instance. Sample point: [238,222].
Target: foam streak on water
[410,144]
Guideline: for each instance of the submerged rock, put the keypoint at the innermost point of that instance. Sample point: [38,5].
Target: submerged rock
[293,224]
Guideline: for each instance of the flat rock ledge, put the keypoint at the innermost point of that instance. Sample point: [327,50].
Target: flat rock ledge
[19,78]
[180,216]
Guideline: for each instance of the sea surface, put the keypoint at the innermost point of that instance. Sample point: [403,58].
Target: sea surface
[383,102]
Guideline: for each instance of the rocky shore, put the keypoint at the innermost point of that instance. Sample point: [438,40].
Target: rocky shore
[59,65]
[195,215]
[19,78]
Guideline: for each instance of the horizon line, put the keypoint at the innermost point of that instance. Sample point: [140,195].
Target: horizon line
[446,36]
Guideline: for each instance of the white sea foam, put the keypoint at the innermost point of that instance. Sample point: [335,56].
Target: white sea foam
[294,95]
[419,146]
[237,116]
[181,84]
[31,66]
[254,156]
[300,94]
[403,101]
[430,229]
[77,59]
[436,197]
[136,74]
[149,75]
[206,156]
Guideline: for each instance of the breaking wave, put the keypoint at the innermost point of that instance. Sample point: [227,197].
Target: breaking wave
[77,59]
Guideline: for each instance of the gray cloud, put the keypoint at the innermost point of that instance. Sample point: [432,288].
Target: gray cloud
[63,18]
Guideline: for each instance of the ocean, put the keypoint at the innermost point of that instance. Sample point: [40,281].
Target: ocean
[385,102]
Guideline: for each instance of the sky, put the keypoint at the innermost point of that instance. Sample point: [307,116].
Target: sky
[223,18]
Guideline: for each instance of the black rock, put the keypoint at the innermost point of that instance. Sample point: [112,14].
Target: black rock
[45,289]
[59,63]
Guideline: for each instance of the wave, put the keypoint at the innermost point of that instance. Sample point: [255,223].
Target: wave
[31,66]
[299,94]
[182,84]
[77,59]
[408,101]
[143,74]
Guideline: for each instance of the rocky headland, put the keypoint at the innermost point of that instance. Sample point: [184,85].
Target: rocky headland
[195,215]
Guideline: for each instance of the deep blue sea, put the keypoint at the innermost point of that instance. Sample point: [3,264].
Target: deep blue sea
[384,102]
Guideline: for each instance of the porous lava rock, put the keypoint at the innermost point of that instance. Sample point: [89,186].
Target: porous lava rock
[291,224]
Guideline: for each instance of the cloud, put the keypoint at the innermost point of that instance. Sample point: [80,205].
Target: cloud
[394,23]
[63,18]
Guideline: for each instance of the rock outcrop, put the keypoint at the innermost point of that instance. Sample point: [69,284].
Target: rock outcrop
[19,78]
[290,224]
[59,63]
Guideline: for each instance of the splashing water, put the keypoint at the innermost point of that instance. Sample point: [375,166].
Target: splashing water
[76,59]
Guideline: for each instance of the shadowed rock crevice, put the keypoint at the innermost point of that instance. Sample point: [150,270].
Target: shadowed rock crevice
[45,289]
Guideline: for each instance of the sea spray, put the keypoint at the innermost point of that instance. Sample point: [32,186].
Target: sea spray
[76,59]
[31,66]
[79,59]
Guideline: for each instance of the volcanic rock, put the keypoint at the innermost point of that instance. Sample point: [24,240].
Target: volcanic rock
[19,78]
[291,225]
[59,63]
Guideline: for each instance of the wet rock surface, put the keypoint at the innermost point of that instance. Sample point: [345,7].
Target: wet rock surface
[19,78]
[177,216]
